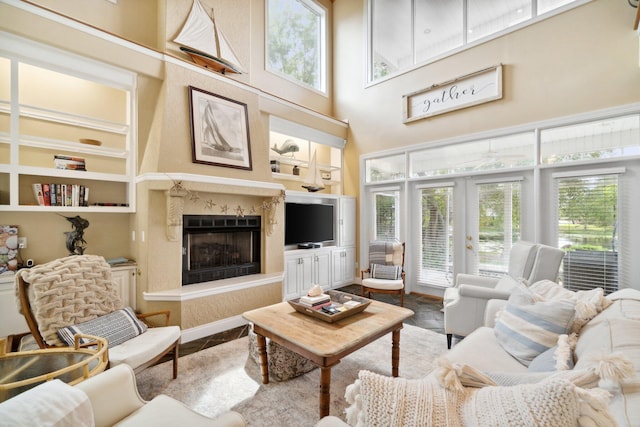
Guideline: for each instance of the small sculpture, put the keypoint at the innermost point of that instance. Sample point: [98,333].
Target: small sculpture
[316,290]
[75,239]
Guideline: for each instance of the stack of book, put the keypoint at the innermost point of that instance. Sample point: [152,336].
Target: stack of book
[61,194]
[68,162]
[316,302]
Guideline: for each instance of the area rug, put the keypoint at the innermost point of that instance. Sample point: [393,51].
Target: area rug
[224,378]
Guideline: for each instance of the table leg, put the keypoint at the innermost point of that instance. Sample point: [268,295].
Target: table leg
[325,390]
[264,362]
[395,352]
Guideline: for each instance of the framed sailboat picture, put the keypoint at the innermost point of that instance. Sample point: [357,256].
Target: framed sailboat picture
[219,130]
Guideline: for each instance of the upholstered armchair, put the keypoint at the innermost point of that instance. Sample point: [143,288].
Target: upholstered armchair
[385,274]
[76,294]
[464,304]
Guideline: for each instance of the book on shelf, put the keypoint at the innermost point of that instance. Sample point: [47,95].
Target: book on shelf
[68,162]
[61,194]
[46,194]
[37,193]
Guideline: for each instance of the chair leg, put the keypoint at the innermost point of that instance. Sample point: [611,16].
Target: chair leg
[175,360]
[402,298]
[449,337]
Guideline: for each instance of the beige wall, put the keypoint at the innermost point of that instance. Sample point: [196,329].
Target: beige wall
[582,60]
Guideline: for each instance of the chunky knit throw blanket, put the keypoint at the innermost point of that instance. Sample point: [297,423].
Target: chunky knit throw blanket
[378,400]
[68,291]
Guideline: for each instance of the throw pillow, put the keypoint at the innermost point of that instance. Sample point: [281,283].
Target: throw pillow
[546,361]
[398,402]
[117,327]
[386,272]
[528,327]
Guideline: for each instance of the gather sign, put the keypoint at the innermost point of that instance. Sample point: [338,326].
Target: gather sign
[462,92]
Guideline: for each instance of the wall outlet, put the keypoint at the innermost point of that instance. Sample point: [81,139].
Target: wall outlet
[22,243]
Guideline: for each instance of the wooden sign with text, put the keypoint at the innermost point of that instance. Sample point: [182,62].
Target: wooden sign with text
[461,92]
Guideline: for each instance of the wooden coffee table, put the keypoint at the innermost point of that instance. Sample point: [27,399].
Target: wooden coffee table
[326,343]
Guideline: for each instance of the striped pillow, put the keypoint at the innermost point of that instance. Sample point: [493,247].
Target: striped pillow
[528,326]
[387,272]
[117,327]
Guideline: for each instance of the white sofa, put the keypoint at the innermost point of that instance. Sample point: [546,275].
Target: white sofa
[109,399]
[614,330]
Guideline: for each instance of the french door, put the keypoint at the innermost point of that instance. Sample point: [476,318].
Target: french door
[493,224]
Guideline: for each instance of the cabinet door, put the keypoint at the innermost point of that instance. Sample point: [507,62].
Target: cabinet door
[298,275]
[347,221]
[322,270]
[121,280]
[291,277]
[337,267]
[343,266]
[349,265]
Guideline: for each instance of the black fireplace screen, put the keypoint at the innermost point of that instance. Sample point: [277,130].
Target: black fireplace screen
[219,247]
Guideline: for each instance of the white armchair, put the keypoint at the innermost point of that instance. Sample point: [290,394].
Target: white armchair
[464,304]
[107,399]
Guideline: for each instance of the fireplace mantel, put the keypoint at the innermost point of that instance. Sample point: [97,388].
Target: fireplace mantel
[179,186]
[211,184]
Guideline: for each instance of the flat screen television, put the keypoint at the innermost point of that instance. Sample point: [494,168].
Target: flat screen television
[308,223]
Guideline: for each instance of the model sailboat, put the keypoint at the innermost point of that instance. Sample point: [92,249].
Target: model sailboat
[313,182]
[203,41]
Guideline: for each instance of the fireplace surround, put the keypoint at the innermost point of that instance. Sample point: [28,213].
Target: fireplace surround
[216,247]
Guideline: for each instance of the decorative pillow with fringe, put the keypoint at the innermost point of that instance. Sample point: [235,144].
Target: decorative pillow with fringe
[557,358]
[378,400]
[528,327]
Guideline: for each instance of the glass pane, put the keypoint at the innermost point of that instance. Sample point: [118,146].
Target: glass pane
[588,231]
[295,41]
[547,5]
[436,237]
[505,152]
[387,211]
[438,27]
[385,168]
[609,138]
[486,17]
[391,37]
[499,225]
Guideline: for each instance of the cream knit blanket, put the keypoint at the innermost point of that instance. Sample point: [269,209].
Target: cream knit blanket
[68,291]
[378,400]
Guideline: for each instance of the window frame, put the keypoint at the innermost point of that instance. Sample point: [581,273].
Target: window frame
[323,46]
[369,66]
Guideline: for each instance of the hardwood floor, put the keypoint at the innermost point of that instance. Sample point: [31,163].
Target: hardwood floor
[428,315]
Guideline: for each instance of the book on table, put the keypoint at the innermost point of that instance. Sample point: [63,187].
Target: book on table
[314,301]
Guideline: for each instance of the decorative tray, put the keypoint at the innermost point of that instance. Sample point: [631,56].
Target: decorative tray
[338,299]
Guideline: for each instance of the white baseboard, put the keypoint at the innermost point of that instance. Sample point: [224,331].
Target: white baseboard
[212,328]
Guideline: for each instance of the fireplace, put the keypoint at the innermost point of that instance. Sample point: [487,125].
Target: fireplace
[218,247]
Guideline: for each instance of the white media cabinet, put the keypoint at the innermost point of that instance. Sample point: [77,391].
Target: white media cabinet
[330,266]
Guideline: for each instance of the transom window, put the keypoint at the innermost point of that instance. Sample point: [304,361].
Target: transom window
[296,41]
[406,33]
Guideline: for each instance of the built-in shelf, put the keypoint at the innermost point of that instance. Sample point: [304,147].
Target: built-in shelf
[41,124]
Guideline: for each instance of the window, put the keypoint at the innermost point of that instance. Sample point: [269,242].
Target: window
[436,236]
[587,209]
[499,225]
[385,168]
[386,220]
[599,139]
[296,41]
[405,33]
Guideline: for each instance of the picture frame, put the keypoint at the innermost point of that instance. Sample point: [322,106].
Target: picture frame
[219,130]
[461,92]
